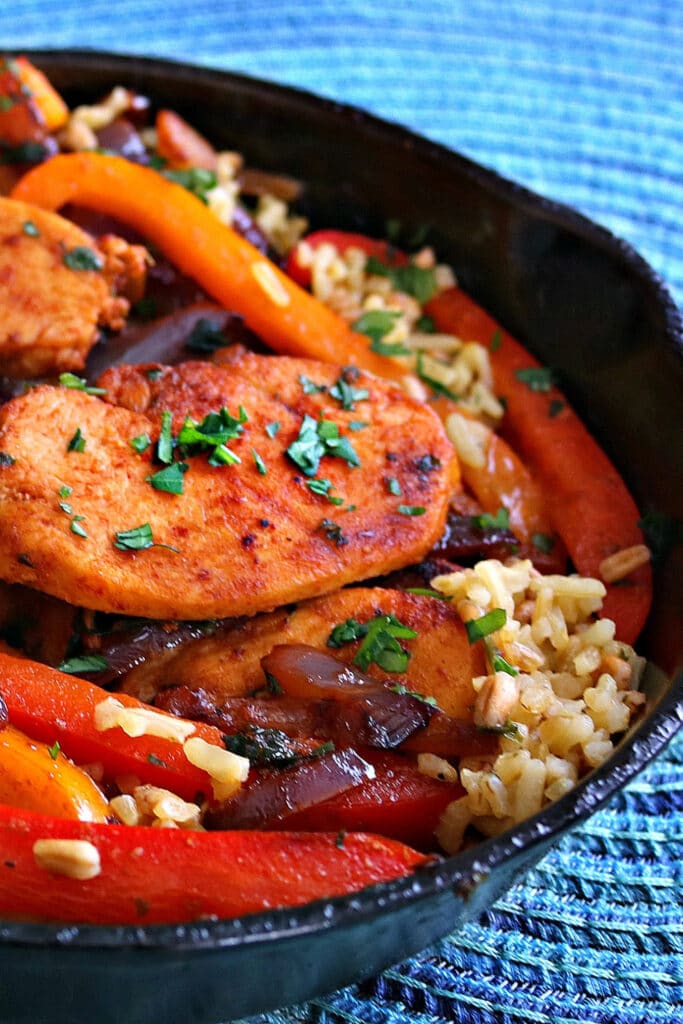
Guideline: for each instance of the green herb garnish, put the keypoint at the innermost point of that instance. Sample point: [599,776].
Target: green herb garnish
[82,258]
[381,645]
[323,488]
[54,750]
[77,442]
[70,380]
[76,527]
[318,438]
[30,229]
[140,443]
[434,384]
[376,324]
[197,180]
[272,429]
[309,387]
[346,394]
[420,282]
[165,442]
[138,539]
[153,759]
[536,378]
[486,521]
[496,341]
[477,629]
[259,463]
[84,663]
[262,746]
[543,542]
[556,406]
[427,592]
[404,691]
[169,479]
[333,532]
[411,510]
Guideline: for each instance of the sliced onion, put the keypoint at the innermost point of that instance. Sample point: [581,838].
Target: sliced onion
[291,715]
[452,738]
[304,671]
[4,714]
[272,796]
[124,651]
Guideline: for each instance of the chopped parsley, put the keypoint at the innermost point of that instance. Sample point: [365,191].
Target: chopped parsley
[259,463]
[425,324]
[486,521]
[393,486]
[165,442]
[153,759]
[263,747]
[543,542]
[333,532]
[434,384]
[77,442]
[556,406]
[65,491]
[6,459]
[427,592]
[509,729]
[346,633]
[404,691]
[76,526]
[376,324]
[500,664]
[66,507]
[138,539]
[84,663]
[323,488]
[82,258]
[30,229]
[344,392]
[197,180]
[308,386]
[272,429]
[358,425]
[169,479]
[536,378]
[318,438]
[153,374]
[496,340]
[54,750]
[411,510]
[380,644]
[140,443]
[477,629]
[420,282]
[205,336]
[211,434]
[70,380]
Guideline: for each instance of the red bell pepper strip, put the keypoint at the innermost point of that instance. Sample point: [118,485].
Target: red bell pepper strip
[343,241]
[399,802]
[592,510]
[51,706]
[162,876]
[227,266]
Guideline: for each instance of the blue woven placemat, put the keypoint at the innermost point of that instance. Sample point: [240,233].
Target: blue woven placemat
[582,101]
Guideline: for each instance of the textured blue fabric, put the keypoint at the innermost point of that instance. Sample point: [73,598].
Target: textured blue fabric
[582,101]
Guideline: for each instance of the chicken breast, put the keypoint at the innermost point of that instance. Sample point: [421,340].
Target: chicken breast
[91,513]
[57,287]
[228,664]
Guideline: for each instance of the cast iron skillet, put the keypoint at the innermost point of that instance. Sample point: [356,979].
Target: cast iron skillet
[588,306]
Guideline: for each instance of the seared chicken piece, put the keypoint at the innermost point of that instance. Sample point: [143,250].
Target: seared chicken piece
[57,287]
[82,515]
[228,664]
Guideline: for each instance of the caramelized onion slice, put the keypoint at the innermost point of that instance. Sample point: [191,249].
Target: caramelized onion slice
[272,796]
[303,671]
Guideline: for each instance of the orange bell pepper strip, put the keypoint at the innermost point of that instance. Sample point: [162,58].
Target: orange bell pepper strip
[164,876]
[228,267]
[52,107]
[180,145]
[50,706]
[37,778]
[590,505]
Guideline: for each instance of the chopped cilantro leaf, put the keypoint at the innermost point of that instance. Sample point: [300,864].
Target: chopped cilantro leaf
[84,663]
[346,394]
[489,623]
[346,633]
[536,378]
[420,282]
[65,491]
[323,488]
[165,442]
[358,425]
[425,325]
[197,180]
[82,258]
[140,443]
[169,479]
[500,664]
[66,507]
[223,456]
[260,464]
[393,486]
[411,510]
[339,839]
[70,380]
[556,406]
[381,645]
[138,539]
[376,324]
[509,729]
[316,439]
[272,684]
[496,340]
[76,526]
[153,374]
[29,228]
[272,429]
[404,691]
[309,387]
[262,746]
[54,750]
[427,592]
[153,759]
[486,521]
[77,442]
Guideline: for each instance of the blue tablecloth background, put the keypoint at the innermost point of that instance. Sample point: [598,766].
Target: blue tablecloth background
[582,101]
